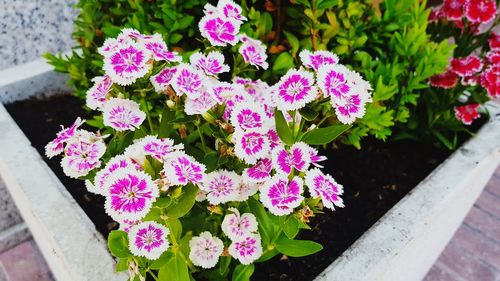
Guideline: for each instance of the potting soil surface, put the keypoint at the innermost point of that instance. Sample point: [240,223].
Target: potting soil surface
[374,179]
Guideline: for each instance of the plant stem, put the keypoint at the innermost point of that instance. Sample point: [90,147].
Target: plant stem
[202,138]
[148,115]
[152,274]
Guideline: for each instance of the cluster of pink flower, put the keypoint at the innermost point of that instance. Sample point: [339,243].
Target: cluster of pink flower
[275,170]
[471,70]
[477,12]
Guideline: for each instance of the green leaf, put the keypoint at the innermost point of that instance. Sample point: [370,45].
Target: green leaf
[325,135]
[266,228]
[184,203]
[291,227]
[297,248]
[118,244]
[152,215]
[166,124]
[175,269]
[175,227]
[122,265]
[283,63]
[175,38]
[162,202]
[294,42]
[284,132]
[308,113]
[162,260]
[224,265]
[243,272]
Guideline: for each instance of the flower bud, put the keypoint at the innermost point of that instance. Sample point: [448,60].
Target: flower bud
[171,104]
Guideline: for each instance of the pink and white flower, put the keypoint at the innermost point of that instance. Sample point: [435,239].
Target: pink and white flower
[317,59]
[162,80]
[148,239]
[257,89]
[466,66]
[122,114]
[82,154]
[188,80]
[237,227]
[160,50]
[126,225]
[96,96]
[182,169]
[130,194]
[219,30]
[281,196]
[236,97]
[467,113]
[127,63]
[230,10]
[211,64]
[201,104]
[315,158]
[56,146]
[159,149]
[246,250]
[221,186]
[480,11]
[298,158]
[490,80]
[250,145]
[115,163]
[205,250]
[324,186]
[260,172]
[494,40]
[273,138]
[333,80]
[349,107]
[253,52]
[245,190]
[248,115]
[294,90]
[453,9]
[224,90]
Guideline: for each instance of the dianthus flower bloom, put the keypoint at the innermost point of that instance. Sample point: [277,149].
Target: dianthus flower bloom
[122,114]
[246,250]
[324,186]
[467,113]
[447,80]
[221,186]
[160,50]
[453,9]
[332,80]
[182,169]
[201,104]
[297,157]
[82,154]
[466,66]
[96,96]
[127,63]
[281,196]
[162,80]
[260,172]
[490,80]
[188,80]
[253,52]
[205,250]
[480,11]
[317,59]
[250,145]
[148,239]
[211,64]
[294,90]
[115,163]
[219,30]
[494,40]
[130,194]
[56,146]
[159,149]
[248,115]
[238,227]
[349,107]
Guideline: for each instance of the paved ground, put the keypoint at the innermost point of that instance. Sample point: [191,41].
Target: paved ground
[474,252]
[472,255]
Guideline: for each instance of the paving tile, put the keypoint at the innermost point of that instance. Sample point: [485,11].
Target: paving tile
[489,203]
[439,272]
[478,245]
[493,185]
[466,265]
[484,223]
[24,263]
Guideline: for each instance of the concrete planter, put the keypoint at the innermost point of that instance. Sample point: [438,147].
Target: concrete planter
[402,245]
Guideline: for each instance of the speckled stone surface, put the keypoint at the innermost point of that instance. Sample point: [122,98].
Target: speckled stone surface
[30,28]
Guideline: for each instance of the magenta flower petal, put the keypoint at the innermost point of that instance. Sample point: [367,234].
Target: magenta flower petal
[324,186]
[123,114]
[281,196]
[148,239]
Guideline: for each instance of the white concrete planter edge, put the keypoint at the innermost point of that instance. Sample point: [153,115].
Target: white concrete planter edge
[402,245]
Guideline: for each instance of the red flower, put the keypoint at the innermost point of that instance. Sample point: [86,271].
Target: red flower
[470,80]
[446,80]
[494,41]
[480,11]
[466,66]
[493,57]
[453,9]
[467,113]
[436,14]
[490,80]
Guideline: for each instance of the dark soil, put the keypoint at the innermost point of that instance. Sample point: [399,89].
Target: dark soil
[375,179]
